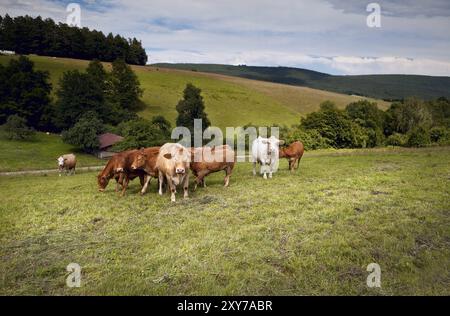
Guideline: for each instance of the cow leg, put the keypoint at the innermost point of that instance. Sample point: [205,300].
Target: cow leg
[125,185]
[298,163]
[291,164]
[172,188]
[270,170]
[186,186]
[145,186]
[161,182]
[254,169]
[227,176]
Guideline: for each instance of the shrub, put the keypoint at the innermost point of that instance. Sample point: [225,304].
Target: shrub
[85,132]
[311,139]
[418,137]
[140,133]
[16,128]
[396,139]
[440,135]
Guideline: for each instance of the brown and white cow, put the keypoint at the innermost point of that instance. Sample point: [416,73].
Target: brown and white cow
[146,160]
[67,163]
[206,160]
[294,153]
[119,168]
[173,165]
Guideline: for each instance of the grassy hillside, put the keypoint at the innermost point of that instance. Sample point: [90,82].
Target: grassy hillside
[230,101]
[315,232]
[39,153]
[385,87]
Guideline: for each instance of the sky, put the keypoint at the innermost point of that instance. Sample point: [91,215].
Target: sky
[330,36]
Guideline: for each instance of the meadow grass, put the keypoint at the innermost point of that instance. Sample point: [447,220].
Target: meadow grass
[230,101]
[40,152]
[312,232]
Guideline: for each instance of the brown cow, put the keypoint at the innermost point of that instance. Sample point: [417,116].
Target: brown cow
[294,153]
[205,161]
[146,160]
[119,168]
[173,165]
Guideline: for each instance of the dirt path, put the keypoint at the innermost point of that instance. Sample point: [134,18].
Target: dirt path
[41,172]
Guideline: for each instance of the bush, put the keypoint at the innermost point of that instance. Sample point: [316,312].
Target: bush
[85,133]
[140,133]
[396,139]
[16,128]
[419,137]
[440,135]
[311,139]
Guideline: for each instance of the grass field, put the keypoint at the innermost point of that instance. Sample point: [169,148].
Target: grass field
[230,101]
[313,232]
[40,152]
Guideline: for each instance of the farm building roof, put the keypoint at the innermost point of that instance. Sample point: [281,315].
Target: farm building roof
[108,139]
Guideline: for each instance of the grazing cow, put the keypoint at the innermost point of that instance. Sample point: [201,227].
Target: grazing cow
[67,163]
[173,165]
[294,153]
[265,151]
[212,160]
[146,160]
[118,167]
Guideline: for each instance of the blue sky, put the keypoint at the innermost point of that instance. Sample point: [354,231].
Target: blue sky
[325,35]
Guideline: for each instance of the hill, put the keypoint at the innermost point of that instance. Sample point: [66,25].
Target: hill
[230,101]
[386,87]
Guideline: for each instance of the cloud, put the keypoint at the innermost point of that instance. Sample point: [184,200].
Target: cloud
[414,36]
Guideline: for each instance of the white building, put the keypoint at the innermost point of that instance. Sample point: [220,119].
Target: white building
[7,52]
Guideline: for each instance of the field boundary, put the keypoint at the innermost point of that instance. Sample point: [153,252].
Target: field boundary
[41,172]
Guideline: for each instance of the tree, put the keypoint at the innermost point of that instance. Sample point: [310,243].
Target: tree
[370,117]
[84,134]
[402,117]
[336,127]
[24,91]
[125,86]
[192,107]
[78,93]
[16,128]
[163,125]
[140,133]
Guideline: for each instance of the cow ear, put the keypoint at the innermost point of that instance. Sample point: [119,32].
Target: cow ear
[168,156]
[282,142]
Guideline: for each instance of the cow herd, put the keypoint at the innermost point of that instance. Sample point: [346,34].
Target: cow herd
[172,163]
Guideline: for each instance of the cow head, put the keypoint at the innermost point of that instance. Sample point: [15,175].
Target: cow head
[102,182]
[139,160]
[273,145]
[181,159]
[61,162]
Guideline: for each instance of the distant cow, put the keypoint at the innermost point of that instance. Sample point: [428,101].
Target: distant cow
[67,163]
[146,160]
[265,151]
[173,165]
[119,168]
[212,160]
[294,153]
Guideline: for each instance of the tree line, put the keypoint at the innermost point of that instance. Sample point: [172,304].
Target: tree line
[411,122]
[28,35]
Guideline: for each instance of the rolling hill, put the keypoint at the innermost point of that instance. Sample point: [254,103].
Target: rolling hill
[386,87]
[230,101]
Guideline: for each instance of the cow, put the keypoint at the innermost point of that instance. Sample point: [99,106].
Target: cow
[67,163]
[265,151]
[294,153]
[173,164]
[146,160]
[212,160]
[119,168]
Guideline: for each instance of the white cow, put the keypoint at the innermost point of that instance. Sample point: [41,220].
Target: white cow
[67,163]
[265,151]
